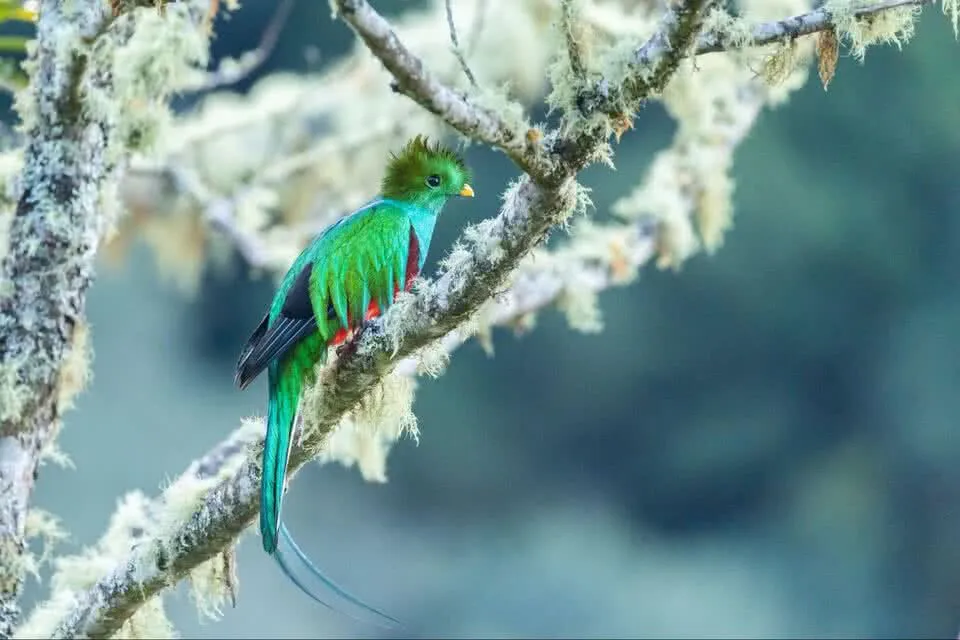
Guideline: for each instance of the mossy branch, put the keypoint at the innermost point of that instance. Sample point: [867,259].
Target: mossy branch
[529,212]
[73,153]
[714,41]
[45,275]
[414,80]
[652,62]
[645,73]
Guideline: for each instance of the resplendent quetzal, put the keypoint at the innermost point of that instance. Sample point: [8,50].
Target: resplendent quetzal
[349,273]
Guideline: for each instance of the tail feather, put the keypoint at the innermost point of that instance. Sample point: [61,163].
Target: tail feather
[281,411]
[283,559]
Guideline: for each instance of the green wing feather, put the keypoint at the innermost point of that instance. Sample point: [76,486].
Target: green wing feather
[362,259]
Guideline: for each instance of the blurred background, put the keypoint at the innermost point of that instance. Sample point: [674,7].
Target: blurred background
[761,445]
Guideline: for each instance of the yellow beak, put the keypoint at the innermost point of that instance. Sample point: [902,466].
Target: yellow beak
[467,191]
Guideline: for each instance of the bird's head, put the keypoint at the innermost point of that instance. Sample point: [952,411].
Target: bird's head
[426,174]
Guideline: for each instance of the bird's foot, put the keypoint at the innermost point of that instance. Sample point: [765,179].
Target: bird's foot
[349,347]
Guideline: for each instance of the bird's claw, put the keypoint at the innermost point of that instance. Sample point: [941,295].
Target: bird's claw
[349,347]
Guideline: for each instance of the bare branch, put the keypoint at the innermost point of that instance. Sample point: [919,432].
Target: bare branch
[455,41]
[477,27]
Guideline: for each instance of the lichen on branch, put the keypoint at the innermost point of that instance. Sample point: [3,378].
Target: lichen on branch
[74,122]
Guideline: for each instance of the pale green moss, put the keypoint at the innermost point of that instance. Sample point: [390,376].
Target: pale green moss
[458,254]
[75,573]
[13,393]
[714,207]
[580,305]
[184,495]
[75,372]
[497,99]
[583,201]
[565,84]
[6,217]
[484,242]
[734,32]
[148,622]
[162,54]
[44,525]
[214,583]
[52,453]
[891,26]
[393,325]
[432,359]
[664,196]
[366,435]
[951,8]
[480,326]
[781,64]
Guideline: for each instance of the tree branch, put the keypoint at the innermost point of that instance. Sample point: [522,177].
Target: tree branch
[45,275]
[648,71]
[455,43]
[53,238]
[224,512]
[802,25]
[659,57]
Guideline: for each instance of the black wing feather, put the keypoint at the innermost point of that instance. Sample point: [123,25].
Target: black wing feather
[270,341]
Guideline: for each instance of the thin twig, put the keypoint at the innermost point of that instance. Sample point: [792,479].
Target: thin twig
[568,25]
[249,62]
[476,29]
[451,25]
[414,81]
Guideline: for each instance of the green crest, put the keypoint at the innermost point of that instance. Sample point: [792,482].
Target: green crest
[424,171]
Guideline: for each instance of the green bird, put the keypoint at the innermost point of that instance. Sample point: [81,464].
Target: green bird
[351,272]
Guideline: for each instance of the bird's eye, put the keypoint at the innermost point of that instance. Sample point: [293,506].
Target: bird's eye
[433,181]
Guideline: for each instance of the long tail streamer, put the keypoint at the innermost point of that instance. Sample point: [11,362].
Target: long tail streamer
[284,560]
